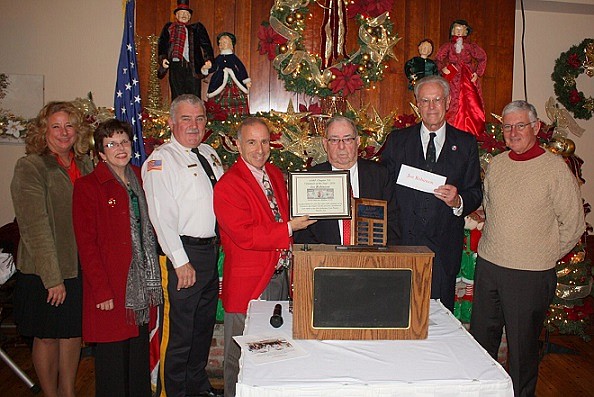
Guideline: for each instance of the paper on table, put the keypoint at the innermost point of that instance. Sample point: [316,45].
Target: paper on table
[262,349]
[419,179]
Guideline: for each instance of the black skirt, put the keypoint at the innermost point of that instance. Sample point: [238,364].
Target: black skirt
[35,317]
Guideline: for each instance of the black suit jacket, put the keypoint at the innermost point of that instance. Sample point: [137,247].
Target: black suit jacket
[438,228]
[374,183]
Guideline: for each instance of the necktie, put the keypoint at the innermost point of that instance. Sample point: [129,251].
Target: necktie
[431,156]
[206,166]
[211,176]
[346,232]
[285,256]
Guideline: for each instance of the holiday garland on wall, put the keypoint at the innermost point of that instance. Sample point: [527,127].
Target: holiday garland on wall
[578,60]
[281,39]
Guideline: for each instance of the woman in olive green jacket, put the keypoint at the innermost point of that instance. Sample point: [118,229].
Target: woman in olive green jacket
[47,297]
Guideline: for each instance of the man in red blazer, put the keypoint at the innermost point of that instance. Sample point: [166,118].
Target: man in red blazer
[252,210]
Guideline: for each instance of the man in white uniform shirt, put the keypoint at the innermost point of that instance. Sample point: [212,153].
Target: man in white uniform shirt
[179,189]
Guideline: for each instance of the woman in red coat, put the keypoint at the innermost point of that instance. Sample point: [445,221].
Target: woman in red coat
[121,278]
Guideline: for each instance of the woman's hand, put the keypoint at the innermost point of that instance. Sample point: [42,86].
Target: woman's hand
[107,305]
[56,295]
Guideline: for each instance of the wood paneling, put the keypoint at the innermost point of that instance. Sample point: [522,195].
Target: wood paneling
[492,22]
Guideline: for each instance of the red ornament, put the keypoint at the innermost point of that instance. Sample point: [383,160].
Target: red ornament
[574,61]
[369,8]
[574,97]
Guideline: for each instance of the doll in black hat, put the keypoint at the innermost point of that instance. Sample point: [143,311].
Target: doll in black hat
[184,49]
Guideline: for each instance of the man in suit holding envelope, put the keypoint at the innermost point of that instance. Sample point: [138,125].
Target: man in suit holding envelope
[435,219]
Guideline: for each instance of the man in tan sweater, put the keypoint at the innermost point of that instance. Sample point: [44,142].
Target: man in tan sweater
[534,216]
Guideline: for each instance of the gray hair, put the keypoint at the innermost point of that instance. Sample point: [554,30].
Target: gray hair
[520,106]
[339,118]
[250,121]
[433,79]
[189,98]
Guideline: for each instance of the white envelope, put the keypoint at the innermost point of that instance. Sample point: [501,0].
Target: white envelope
[419,179]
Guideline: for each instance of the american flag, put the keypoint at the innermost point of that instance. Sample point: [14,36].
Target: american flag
[127,92]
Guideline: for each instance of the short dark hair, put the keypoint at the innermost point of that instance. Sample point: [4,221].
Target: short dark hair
[250,121]
[107,129]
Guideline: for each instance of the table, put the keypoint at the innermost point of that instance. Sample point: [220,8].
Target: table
[448,363]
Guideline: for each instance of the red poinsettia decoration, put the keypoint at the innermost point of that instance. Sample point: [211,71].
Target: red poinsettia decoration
[574,97]
[150,143]
[546,132]
[574,61]
[314,108]
[490,144]
[405,120]
[346,80]
[579,312]
[369,8]
[269,40]
[215,111]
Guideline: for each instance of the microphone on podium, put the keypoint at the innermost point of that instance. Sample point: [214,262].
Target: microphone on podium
[276,320]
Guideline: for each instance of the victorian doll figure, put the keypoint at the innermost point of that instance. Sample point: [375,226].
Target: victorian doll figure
[183,50]
[462,63]
[229,84]
[418,67]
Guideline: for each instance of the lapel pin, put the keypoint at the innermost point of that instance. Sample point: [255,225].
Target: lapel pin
[454,148]
[215,160]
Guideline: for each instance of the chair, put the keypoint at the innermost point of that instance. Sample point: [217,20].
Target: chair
[9,235]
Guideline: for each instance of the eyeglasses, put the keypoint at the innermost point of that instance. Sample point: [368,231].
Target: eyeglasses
[437,102]
[349,140]
[518,126]
[113,145]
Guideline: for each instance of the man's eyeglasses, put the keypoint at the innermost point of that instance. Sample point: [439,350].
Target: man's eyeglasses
[437,102]
[518,126]
[349,140]
[113,145]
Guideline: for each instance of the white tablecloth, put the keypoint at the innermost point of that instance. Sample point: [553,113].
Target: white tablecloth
[448,363]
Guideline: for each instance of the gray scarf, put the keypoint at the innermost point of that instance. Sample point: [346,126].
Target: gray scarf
[143,288]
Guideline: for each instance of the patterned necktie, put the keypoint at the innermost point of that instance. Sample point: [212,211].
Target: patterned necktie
[431,156]
[285,256]
[346,232]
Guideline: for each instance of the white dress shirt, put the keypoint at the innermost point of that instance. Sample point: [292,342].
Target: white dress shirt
[179,195]
[439,141]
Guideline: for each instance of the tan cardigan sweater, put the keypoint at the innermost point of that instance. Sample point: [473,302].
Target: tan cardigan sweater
[42,199]
[534,212]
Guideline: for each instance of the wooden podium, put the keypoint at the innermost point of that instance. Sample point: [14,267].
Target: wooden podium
[361,293]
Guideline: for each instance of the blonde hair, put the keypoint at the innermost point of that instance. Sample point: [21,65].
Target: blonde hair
[36,142]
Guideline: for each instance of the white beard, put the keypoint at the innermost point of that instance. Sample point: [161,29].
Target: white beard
[459,45]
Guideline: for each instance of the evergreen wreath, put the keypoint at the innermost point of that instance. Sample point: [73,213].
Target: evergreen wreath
[569,66]
[281,38]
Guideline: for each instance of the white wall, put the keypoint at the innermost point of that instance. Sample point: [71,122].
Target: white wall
[75,44]
[547,35]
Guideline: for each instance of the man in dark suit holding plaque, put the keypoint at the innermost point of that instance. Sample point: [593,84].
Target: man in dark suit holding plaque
[368,180]
[435,220]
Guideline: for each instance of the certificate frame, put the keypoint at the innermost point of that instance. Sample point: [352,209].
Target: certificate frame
[321,195]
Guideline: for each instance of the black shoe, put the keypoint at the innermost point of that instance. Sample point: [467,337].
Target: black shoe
[212,392]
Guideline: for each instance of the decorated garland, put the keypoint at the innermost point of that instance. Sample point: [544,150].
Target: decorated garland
[568,67]
[281,38]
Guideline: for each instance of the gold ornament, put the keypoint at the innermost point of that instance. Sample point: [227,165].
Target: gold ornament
[290,19]
[283,49]
[154,88]
[561,145]
[298,16]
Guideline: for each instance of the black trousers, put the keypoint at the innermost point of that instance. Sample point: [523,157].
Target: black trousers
[182,80]
[122,368]
[518,300]
[188,324]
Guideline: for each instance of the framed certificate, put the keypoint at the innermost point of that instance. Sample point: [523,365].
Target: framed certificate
[321,195]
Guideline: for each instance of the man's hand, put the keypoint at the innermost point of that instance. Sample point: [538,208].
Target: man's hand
[301,222]
[165,64]
[56,295]
[107,305]
[186,276]
[449,195]
[207,65]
